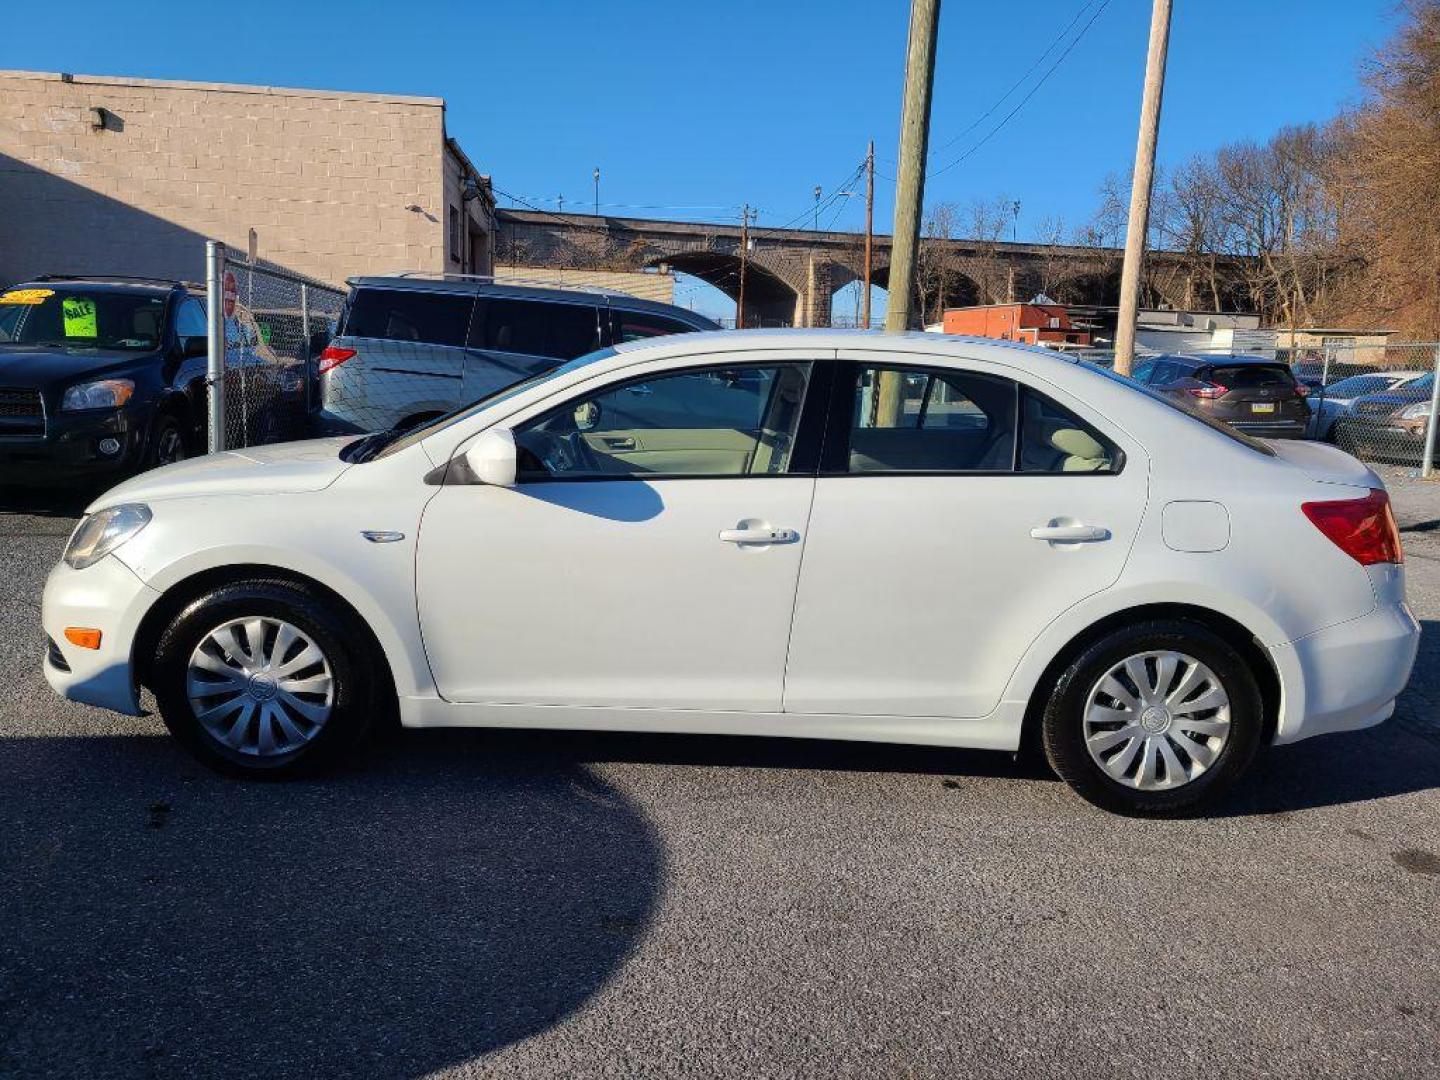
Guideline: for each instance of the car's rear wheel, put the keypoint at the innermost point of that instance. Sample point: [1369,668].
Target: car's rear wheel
[1154,719]
[264,678]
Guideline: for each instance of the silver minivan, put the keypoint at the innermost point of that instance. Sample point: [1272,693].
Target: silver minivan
[409,348]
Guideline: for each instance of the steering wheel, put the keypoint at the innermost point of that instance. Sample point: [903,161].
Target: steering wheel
[564,453]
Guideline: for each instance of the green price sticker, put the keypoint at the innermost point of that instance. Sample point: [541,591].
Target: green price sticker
[79,316]
[265,332]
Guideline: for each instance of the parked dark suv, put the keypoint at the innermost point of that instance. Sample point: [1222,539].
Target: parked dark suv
[409,348]
[98,376]
[1257,396]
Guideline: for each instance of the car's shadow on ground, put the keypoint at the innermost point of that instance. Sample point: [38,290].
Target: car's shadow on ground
[435,905]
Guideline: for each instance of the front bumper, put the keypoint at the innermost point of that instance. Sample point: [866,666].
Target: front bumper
[1346,677]
[70,447]
[108,597]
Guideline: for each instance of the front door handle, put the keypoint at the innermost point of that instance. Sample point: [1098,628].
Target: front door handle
[759,536]
[1070,534]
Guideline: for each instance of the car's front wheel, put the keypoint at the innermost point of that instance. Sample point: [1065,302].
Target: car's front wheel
[264,677]
[1154,718]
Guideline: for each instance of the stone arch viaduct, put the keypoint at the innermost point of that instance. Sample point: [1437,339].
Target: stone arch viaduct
[792,275]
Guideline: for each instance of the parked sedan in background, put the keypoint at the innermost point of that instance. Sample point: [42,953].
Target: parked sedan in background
[846,535]
[1334,401]
[1388,425]
[1250,393]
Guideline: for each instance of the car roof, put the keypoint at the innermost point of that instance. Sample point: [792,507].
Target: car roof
[480,286]
[910,341]
[103,283]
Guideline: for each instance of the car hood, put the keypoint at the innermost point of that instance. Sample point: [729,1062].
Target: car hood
[25,365]
[1393,398]
[281,469]
[1328,464]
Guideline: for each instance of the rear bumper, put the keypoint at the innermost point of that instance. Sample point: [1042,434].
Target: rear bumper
[108,597]
[1345,677]
[1279,429]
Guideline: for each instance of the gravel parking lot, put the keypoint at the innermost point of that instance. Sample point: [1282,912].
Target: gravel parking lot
[553,904]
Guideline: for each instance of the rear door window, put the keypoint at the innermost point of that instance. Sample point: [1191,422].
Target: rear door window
[924,420]
[561,331]
[429,318]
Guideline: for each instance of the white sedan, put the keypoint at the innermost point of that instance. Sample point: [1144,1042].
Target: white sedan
[845,535]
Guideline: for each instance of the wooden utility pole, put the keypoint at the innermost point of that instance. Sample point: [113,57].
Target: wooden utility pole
[744,257]
[914,145]
[1140,186]
[869,233]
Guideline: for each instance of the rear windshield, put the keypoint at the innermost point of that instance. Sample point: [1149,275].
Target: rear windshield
[78,318]
[1182,404]
[1251,376]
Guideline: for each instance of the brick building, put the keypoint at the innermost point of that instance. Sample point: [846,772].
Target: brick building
[132,176]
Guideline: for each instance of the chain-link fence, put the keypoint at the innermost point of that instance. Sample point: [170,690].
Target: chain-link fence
[1372,400]
[274,325]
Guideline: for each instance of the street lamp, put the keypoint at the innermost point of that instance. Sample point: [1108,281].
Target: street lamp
[597,190]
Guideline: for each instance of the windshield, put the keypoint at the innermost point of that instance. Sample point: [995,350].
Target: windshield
[72,317]
[391,442]
[1182,405]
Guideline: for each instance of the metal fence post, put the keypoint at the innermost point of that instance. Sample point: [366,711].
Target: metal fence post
[1426,466]
[215,333]
[305,340]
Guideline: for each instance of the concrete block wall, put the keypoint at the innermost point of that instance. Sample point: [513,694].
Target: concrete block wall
[325,178]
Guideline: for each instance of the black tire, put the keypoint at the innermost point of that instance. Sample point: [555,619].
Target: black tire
[340,636]
[1063,732]
[167,442]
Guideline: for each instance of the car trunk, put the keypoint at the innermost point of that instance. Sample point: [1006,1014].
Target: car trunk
[1325,463]
[1256,393]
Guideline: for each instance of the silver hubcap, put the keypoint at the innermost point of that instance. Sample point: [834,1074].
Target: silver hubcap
[1157,720]
[260,686]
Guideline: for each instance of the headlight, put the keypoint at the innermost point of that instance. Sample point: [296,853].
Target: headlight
[1415,412]
[104,531]
[103,394]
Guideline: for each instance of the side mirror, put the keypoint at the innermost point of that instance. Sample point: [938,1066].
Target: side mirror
[195,346]
[491,458]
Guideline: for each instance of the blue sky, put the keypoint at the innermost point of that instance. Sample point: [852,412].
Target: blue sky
[700,106]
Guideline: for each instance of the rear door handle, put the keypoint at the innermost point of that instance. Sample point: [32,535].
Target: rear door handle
[620,443]
[759,536]
[1071,534]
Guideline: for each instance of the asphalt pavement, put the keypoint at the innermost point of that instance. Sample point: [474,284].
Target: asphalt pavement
[540,904]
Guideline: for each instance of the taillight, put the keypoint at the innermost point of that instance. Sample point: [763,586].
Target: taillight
[1364,529]
[1213,390]
[1302,389]
[333,357]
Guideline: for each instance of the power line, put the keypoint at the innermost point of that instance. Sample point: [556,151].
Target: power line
[1021,80]
[1025,100]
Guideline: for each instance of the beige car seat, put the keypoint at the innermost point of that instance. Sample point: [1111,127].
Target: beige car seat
[1083,453]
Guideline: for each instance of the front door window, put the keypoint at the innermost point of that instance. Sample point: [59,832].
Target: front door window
[711,422]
